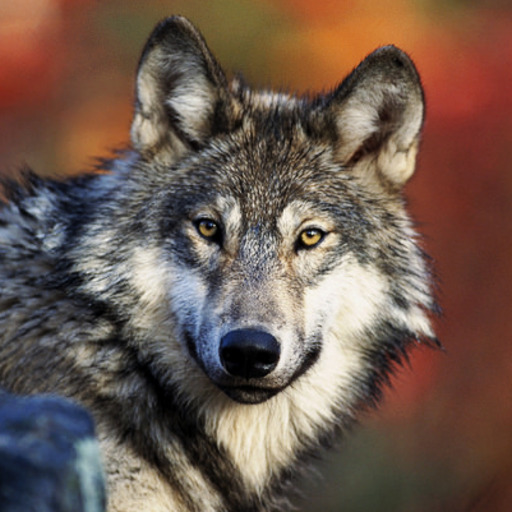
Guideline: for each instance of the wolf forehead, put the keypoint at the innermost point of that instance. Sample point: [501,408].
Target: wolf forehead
[265,163]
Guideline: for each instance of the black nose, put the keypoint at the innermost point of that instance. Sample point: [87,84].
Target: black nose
[249,353]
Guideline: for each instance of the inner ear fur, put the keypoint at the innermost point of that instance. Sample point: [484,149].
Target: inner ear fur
[181,93]
[378,114]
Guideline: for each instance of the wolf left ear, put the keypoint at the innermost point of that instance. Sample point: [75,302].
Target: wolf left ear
[180,92]
[377,114]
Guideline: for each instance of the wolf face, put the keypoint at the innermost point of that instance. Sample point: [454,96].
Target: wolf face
[275,236]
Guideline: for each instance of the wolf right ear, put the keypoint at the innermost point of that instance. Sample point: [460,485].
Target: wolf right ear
[181,92]
[377,113]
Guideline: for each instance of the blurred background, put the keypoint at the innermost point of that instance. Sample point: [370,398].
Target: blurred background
[442,439]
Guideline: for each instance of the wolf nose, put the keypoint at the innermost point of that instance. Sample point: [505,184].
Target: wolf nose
[249,353]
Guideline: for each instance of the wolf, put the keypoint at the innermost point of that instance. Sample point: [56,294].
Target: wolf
[229,292]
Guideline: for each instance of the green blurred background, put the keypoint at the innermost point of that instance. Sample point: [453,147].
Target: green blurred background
[442,439]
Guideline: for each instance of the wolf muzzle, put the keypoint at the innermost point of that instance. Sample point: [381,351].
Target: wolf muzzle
[249,353]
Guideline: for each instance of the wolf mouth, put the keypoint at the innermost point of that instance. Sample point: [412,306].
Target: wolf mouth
[249,394]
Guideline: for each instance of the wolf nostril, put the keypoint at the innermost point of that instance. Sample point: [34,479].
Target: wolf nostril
[249,353]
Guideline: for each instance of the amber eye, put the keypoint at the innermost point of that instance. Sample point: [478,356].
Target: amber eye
[310,238]
[208,229]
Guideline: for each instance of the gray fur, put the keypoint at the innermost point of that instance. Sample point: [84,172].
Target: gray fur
[112,296]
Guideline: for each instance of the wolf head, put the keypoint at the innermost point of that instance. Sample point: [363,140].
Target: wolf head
[265,236]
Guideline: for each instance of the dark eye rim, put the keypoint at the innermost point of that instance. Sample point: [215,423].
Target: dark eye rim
[300,245]
[216,237]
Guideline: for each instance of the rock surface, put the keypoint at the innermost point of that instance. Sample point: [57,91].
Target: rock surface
[49,457]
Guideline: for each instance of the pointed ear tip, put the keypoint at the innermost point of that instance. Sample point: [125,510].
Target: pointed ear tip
[169,35]
[394,56]
[170,25]
[178,21]
[390,49]
[394,63]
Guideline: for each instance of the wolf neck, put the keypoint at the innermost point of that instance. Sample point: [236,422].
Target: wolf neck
[261,440]
[264,440]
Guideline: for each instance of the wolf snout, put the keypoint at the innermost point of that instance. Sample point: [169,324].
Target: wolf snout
[249,353]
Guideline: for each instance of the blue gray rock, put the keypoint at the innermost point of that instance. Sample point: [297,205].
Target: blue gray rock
[49,457]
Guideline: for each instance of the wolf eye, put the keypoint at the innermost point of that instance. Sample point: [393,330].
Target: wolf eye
[310,238]
[208,229]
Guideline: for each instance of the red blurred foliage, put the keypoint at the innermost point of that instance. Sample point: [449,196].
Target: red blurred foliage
[29,52]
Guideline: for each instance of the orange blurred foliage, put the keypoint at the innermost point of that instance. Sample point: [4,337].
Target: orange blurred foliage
[334,36]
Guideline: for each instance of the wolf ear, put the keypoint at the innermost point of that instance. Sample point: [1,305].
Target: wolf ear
[377,114]
[180,92]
